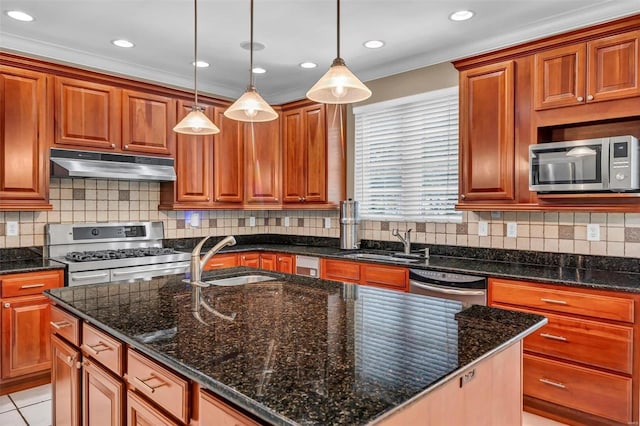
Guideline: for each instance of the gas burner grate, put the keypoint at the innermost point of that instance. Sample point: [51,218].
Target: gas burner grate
[89,256]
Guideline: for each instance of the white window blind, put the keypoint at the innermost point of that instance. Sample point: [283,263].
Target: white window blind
[406,165]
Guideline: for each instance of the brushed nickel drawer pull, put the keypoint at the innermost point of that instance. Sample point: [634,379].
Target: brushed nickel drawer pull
[553,337]
[554,301]
[144,383]
[216,265]
[60,324]
[552,383]
[93,350]
[26,286]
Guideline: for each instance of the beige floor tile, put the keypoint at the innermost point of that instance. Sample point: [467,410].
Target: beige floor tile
[529,419]
[31,396]
[12,418]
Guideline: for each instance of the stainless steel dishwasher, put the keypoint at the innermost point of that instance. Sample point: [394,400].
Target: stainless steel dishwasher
[468,289]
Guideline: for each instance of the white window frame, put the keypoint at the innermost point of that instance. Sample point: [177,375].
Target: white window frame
[405,196]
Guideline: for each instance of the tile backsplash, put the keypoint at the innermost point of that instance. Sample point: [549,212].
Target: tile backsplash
[79,200]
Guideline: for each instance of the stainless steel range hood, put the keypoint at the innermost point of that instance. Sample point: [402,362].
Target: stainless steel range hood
[103,165]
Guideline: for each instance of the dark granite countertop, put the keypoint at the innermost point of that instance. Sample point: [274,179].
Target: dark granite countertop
[301,350]
[20,260]
[554,274]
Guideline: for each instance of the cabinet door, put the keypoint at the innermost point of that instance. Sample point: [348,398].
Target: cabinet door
[102,396]
[142,413]
[65,383]
[262,159]
[385,276]
[294,153]
[25,129]
[25,335]
[286,263]
[268,261]
[614,67]
[220,261]
[214,412]
[559,78]
[87,114]
[228,160]
[251,260]
[316,156]
[147,123]
[194,163]
[340,270]
[487,133]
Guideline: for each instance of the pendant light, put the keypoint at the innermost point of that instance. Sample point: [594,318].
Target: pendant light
[196,122]
[338,85]
[250,106]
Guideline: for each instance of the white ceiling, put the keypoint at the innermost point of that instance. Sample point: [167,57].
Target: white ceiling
[417,33]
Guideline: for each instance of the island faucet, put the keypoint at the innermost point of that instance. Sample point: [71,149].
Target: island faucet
[406,240]
[197,264]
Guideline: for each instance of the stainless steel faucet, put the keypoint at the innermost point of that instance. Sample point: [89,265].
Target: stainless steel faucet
[406,240]
[197,264]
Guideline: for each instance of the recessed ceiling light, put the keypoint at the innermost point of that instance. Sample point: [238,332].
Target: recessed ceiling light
[258,70]
[246,45]
[373,44]
[200,64]
[122,43]
[461,15]
[308,65]
[19,16]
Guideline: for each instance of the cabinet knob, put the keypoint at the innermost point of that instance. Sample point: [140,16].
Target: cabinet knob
[463,196]
[113,145]
[589,97]
[126,147]
[580,98]
[7,305]
[300,199]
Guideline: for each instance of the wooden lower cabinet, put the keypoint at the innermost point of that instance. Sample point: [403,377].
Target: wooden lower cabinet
[220,261]
[268,261]
[582,366]
[142,413]
[384,276]
[102,396]
[214,412]
[251,260]
[340,270]
[285,263]
[65,382]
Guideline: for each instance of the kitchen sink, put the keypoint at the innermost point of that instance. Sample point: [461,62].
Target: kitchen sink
[240,280]
[384,257]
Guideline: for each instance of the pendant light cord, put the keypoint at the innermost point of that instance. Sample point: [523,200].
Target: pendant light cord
[338,38]
[251,49]
[195,51]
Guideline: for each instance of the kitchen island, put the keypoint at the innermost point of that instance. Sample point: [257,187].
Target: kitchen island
[294,350]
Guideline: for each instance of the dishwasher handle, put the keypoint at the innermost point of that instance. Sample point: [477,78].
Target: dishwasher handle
[447,290]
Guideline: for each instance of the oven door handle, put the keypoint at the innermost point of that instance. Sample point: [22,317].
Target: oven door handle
[88,277]
[444,290]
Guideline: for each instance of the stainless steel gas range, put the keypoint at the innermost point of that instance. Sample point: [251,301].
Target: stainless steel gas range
[106,252]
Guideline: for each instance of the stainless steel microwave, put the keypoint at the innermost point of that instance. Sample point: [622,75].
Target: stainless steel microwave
[603,164]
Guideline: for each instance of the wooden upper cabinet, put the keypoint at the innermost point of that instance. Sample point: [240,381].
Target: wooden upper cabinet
[262,162]
[87,115]
[487,133]
[194,163]
[305,155]
[599,70]
[147,123]
[26,127]
[614,67]
[228,159]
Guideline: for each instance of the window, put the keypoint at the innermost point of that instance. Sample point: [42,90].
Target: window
[406,153]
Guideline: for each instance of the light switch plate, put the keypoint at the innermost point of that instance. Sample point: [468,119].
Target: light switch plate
[512,229]
[286,221]
[252,221]
[593,232]
[483,229]
[12,229]
[327,222]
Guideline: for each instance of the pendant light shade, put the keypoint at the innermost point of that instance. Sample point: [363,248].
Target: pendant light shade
[339,85]
[196,122]
[251,106]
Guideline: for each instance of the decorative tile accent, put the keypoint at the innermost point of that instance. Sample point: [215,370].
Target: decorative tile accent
[79,194]
[241,222]
[300,222]
[421,227]
[384,226]
[180,224]
[565,232]
[632,235]
[123,195]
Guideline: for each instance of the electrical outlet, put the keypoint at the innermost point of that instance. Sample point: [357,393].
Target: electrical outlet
[512,229]
[327,222]
[252,221]
[483,229]
[12,229]
[286,221]
[593,232]
[194,220]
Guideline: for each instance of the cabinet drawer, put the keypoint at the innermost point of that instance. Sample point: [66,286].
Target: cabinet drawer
[588,342]
[103,348]
[602,394]
[341,271]
[30,283]
[66,325]
[220,261]
[566,301]
[159,384]
[385,276]
[214,412]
